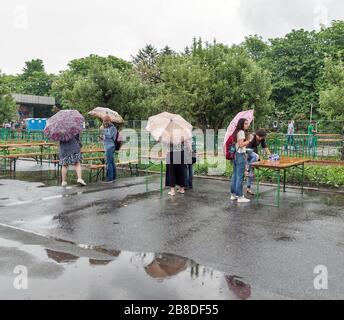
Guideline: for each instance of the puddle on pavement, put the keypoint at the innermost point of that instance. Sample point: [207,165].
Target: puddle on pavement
[50,178]
[121,275]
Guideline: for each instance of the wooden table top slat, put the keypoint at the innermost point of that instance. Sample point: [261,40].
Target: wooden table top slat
[24,145]
[283,163]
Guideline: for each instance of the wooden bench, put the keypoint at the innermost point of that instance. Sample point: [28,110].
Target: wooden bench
[98,168]
[101,158]
[130,163]
[14,157]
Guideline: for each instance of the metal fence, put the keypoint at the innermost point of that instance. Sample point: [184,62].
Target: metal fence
[300,145]
[301,126]
[7,135]
[326,146]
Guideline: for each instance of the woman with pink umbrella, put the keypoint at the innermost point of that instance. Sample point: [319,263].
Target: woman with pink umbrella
[65,127]
[239,137]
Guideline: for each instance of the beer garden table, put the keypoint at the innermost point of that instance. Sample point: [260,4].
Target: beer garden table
[266,166]
[5,148]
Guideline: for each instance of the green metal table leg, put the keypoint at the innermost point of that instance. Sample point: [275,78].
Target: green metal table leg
[161,170]
[146,179]
[6,153]
[49,155]
[284,178]
[257,195]
[278,187]
[303,177]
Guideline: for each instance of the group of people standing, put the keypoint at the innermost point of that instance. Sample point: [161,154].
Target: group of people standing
[246,154]
[179,159]
[70,154]
[311,133]
[179,170]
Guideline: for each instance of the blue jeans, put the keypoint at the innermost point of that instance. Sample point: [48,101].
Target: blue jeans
[290,141]
[111,173]
[188,175]
[237,183]
[252,157]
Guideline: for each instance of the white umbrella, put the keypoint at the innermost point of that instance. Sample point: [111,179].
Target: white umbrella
[169,128]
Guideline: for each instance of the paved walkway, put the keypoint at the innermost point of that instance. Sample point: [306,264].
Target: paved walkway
[274,251]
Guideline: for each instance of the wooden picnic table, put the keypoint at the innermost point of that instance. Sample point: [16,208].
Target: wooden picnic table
[95,150]
[283,164]
[5,148]
[26,145]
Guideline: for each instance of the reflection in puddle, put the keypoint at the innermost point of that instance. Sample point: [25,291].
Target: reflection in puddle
[241,289]
[61,257]
[166,265]
[166,271]
[96,272]
[49,177]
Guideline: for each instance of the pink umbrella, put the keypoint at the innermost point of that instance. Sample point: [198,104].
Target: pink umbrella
[248,115]
[64,125]
[240,289]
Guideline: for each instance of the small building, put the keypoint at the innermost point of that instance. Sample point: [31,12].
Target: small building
[34,106]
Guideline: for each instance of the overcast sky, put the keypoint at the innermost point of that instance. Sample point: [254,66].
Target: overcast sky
[59,31]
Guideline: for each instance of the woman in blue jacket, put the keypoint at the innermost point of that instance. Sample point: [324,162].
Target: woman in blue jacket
[109,140]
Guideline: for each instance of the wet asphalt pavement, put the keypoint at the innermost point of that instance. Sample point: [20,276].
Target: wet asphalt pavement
[120,242]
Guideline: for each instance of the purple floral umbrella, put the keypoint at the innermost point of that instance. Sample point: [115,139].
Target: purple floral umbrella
[64,125]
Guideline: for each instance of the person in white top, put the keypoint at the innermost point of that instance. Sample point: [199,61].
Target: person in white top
[239,162]
[290,135]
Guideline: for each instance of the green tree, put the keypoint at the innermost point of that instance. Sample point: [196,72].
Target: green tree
[332,98]
[145,63]
[212,84]
[35,65]
[34,80]
[167,51]
[331,41]
[8,106]
[256,47]
[101,84]
[83,66]
[295,66]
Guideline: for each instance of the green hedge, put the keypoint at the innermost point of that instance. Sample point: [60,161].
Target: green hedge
[325,176]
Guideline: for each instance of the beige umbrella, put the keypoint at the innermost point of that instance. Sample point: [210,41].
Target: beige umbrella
[166,265]
[169,128]
[100,112]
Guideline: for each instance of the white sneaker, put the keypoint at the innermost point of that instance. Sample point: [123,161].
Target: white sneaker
[64,184]
[81,182]
[234,197]
[243,200]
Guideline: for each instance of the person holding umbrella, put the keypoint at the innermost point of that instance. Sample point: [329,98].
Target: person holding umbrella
[65,127]
[109,140]
[234,148]
[175,132]
[111,137]
[70,155]
[239,162]
[175,168]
